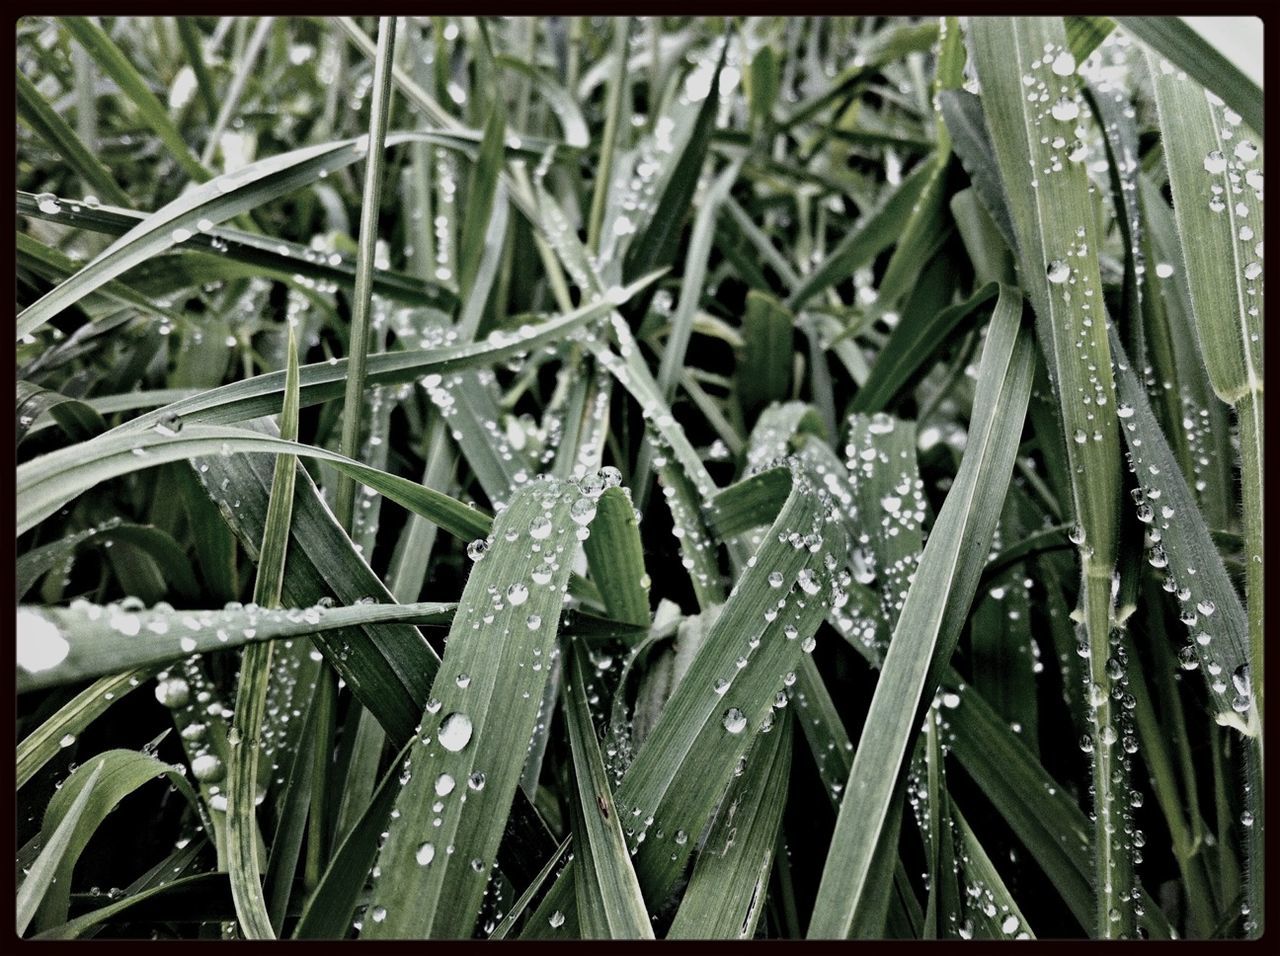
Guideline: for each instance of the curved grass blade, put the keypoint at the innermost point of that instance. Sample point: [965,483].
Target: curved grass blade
[198,210]
[203,884]
[230,253]
[107,779]
[43,872]
[43,743]
[928,627]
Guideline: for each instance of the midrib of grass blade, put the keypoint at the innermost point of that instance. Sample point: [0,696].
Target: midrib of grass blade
[476,727]
[36,113]
[243,865]
[726,892]
[609,900]
[323,381]
[1050,206]
[43,871]
[116,65]
[680,772]
[371,200]
[932,615]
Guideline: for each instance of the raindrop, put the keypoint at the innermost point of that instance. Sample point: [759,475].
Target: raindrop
[455,732]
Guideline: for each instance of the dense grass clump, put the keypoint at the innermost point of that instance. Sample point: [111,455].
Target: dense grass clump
[631,478]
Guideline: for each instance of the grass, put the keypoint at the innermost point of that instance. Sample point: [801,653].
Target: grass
[670,477]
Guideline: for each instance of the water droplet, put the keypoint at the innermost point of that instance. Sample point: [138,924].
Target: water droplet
[426,853]
[455,731]
[1215,162]
[1058,272]
[735,721]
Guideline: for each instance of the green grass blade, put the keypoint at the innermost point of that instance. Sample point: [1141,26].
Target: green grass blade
[1060,271]
[719,706]
[323,381]
[358,337]
[927,628]
[42,874]
[1179,43]
[116,65]
[725,896]
[609,900]
[36,113]
[1224,272]
[478,721]
[244,867]
[42,744]
[763,373]
[107,779]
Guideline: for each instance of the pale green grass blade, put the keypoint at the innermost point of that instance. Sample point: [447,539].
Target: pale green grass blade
[725,896]
[244,866]
[104,639]
[36,113]
[618,86]
[615,555]
[323,381]
[609,900]
[247,61]
[928,626]
[1177,42]
[202,883]
[1214,156]
[687,760]
[43,872]
[477,724]
[981,872]
[1217,640]
[763,373]
[1059,268]
[880,455]
[1085,34]
[116,65]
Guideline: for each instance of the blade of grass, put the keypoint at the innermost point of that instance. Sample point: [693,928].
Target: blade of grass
[116,65]
[358,339]
[1060,271]
[928,628]
[608,895]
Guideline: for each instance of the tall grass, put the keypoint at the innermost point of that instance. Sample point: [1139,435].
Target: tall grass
[614,478]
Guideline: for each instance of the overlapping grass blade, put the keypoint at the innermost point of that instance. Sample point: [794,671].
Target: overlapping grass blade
[927,628]
[609,900]
[725,896]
